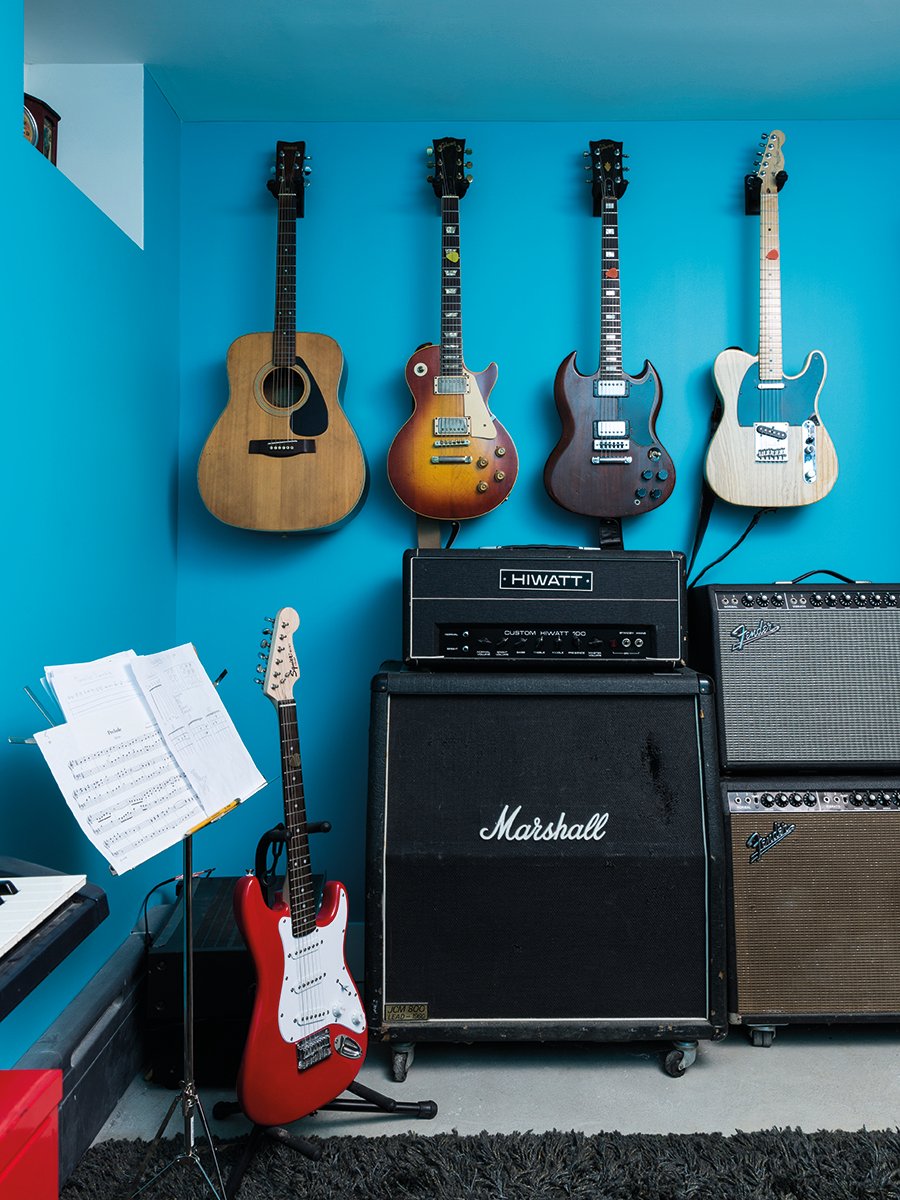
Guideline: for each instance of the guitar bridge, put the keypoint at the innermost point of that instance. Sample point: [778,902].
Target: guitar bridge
[283,448]
[771,442]
[314,1048]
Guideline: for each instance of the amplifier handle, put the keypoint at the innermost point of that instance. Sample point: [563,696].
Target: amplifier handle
[823,571]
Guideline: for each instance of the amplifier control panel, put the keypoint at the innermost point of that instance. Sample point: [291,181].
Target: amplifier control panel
[800,798]
[566,642]
[871,597]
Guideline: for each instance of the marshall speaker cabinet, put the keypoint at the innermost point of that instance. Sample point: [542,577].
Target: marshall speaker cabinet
[807,675]
[545,860]
[544,607]
[815,896]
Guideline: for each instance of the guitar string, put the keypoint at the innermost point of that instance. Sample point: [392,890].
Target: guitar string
[450,216]
[306,965]
[770,308]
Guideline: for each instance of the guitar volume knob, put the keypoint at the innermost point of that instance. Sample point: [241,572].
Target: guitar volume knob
[481,487]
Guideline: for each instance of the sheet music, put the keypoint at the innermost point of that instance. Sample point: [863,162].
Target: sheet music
[125,780]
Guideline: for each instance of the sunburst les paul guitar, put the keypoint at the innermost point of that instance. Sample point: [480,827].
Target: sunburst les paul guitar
[283,456]
[609,461]
[308,1035]
[770,449]
[452,459]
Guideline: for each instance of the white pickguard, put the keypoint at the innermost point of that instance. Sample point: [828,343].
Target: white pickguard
[317,989]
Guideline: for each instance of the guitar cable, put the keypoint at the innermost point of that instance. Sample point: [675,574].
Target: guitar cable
[754,520]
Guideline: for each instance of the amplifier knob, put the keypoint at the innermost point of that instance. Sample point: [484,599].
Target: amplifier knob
[892,799]
[817,599]
[796,799]
[857,799]
[762,600]
[781,800]
[876,798]
[809,799]
[890,599]
[876,599]
[778,600]
[747,600]
[767,801]
[860,600]
[831,600]
[846,599]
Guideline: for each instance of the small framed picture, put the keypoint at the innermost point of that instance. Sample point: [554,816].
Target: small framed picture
[40,126]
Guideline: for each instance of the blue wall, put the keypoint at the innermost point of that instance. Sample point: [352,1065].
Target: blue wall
[94,463]
[89,335]
[367,268]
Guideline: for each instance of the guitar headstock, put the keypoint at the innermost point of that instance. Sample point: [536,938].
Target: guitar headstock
[281,670]
[607,178]
[447,158]
[770,163]
[290,177]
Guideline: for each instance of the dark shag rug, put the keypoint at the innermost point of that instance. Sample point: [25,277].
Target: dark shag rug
[779,1164]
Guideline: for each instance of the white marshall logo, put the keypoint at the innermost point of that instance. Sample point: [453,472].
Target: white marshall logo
[536,830]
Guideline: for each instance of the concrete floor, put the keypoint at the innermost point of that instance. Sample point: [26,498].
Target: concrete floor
[838,1077]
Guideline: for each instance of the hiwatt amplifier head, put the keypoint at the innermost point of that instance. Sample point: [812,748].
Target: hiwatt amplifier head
[556,607]
[807,675]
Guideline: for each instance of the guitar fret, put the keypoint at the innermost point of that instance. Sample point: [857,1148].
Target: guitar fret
[610,311]
[771,367]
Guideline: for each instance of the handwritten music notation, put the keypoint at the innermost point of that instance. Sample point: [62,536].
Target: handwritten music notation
[148,752]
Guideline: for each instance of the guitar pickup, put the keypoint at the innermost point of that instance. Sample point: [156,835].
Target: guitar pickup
[286,448]
[451,427]
[610,387]
[451,385]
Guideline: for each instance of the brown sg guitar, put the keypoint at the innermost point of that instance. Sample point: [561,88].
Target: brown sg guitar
[283,456]
[452,459]
[609,461]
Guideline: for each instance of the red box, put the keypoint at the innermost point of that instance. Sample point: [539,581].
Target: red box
[29,1134]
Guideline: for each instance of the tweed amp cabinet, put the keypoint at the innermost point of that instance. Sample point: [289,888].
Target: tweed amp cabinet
[545,860]
[806,675]
[814,900]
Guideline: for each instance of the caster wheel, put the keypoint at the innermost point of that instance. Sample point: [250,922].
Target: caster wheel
[762,1037]
[401,1061]
[674,1064]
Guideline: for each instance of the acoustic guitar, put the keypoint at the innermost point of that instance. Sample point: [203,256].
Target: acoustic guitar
[283,456]
[609,461]
[308,1035]
[770,449]
[452,459]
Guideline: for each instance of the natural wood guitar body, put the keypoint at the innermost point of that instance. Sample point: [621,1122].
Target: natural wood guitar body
[446,490]
[731,467]
[320,478]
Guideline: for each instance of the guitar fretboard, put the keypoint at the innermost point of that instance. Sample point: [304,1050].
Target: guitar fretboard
[770,360]
[610,307]
[301,894]
[285,338]
[451,289]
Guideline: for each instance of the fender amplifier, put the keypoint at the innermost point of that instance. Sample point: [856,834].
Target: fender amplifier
[558,607]
[807,676]
[815,899]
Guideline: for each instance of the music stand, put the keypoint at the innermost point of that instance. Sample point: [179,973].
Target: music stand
[187,1096]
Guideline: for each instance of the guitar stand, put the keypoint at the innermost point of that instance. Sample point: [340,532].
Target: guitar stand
[367,1099]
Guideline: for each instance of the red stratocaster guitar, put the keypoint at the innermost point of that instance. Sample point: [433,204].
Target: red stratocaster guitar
[452,459]
[609,461]
[308,1035]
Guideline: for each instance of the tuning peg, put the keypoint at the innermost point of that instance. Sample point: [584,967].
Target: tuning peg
[429,179]
[468,164]
[260,670]
[467,151]
[585,154]
[430,151]
[468,179]
[264,644]
[260,682]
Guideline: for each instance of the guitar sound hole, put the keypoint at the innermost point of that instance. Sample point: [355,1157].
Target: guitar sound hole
[283,387]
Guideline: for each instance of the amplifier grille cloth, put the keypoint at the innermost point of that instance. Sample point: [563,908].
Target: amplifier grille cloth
[614,928]
[817,918]
[824,688]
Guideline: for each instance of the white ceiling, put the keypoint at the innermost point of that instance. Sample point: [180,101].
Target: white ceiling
[491,60]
